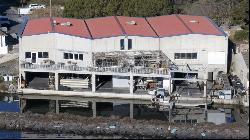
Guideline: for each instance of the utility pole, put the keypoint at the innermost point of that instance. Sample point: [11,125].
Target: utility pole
[50,14]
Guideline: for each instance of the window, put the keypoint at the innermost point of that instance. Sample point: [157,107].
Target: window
[122,44]
[70,56]
[43,55]
[129,44]
[81,56]
[40,55]
[27,54]
[185,56]
[189,56]
[177,56]
[65,56]
[194,55]
[76,56]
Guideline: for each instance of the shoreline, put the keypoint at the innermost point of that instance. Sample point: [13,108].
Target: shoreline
[108,126]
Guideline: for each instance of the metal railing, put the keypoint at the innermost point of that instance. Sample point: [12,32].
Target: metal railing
[161,71]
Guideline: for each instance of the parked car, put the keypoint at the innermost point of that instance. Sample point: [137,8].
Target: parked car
[36,6]
[4,21]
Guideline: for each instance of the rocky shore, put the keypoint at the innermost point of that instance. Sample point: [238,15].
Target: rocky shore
[111,126]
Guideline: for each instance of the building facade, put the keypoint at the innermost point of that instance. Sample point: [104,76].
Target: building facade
[3,46]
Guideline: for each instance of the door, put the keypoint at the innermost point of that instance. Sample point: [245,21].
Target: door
[33,57]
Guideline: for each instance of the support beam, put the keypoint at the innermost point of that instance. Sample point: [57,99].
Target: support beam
[57,107]
[56,81]
[131,112]
[205,89]
[170,86]
[93,82]
[22,104]
[131,85]
[94,108]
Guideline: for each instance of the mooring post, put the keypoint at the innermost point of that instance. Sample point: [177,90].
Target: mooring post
[131,112]
[94,108]
[22,104]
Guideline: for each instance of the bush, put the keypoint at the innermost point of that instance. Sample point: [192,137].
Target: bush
[241,36]
[1,79]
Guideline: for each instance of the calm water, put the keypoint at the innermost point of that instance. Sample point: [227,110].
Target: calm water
[217,114]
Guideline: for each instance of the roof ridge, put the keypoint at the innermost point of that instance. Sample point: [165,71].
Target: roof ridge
[184,23]
[120,25]
[88,28]
[151,27]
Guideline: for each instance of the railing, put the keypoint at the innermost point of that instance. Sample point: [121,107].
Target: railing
[161,71]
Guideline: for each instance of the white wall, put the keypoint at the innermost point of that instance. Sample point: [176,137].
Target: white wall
[56,45]
[3,46]
[113,43]
[196,43]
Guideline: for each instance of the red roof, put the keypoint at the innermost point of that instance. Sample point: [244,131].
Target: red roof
[104,27]
[37,26]
[112,26]
[136,26]
[55,25]
[200,24]
[167,25]
[183,24]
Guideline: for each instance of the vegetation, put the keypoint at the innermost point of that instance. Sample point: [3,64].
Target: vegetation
[1,79]
[241,36]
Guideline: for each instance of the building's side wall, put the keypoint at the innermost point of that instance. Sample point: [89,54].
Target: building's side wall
[3,46]
[56,45]
[203,45]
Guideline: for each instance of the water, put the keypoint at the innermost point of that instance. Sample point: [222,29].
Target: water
[217,113]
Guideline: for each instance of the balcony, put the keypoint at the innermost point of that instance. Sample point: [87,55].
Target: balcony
[99,70]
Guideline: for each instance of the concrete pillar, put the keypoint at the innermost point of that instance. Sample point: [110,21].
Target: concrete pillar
[57,107]
[170,86]
[22,104]
[52,106]
[94,108]
[131,112]
[205,88]
[93,82]
[56,81]
[131,85]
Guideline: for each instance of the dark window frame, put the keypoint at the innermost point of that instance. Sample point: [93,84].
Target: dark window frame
[80,56]
[27,54]
[76,56]
[122,45]
[130,44]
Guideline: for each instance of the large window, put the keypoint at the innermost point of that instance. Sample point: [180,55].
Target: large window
[43,55]
[129,44]
[122,44]
[27,54]
[75,56]
[185,56]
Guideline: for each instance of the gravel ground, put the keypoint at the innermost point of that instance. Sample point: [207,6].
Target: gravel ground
[125,127]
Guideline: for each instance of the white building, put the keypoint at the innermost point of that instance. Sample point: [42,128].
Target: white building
[127,47]
[3,46]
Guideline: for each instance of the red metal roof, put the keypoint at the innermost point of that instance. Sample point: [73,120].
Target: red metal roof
[167,25]
[77,28]
[37,26]
[200,24]
[104,27]
[136,26]
[161,26]
[45,25]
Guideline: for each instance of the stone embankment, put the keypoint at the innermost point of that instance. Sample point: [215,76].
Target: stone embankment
[79,125]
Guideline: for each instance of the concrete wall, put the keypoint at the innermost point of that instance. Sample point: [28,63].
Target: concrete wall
[113,43]
[239,68]
[56,45]
[3,46]
[119,81]
[196,43]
